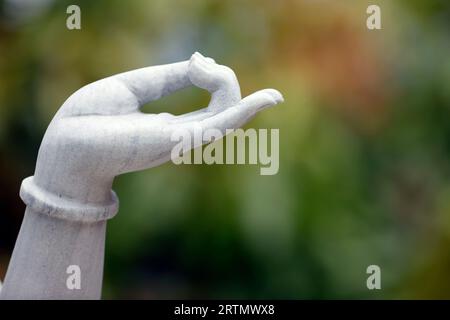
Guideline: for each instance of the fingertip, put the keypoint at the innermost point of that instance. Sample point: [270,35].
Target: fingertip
[276,95]
[198,54]
[280,98]
[195,55]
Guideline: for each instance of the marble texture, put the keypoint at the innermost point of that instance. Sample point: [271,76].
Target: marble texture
[97,134]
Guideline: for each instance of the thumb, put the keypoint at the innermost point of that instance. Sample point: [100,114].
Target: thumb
[262,99]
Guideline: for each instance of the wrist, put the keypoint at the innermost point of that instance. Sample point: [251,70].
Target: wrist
[60,206]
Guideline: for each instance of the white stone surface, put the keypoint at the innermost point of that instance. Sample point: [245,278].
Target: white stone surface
[97,134]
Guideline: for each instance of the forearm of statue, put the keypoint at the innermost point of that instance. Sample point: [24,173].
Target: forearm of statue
[56,259]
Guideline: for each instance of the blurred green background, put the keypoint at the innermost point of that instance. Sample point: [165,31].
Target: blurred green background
[364,144]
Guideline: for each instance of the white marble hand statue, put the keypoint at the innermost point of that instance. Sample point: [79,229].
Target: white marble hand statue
[97,134]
